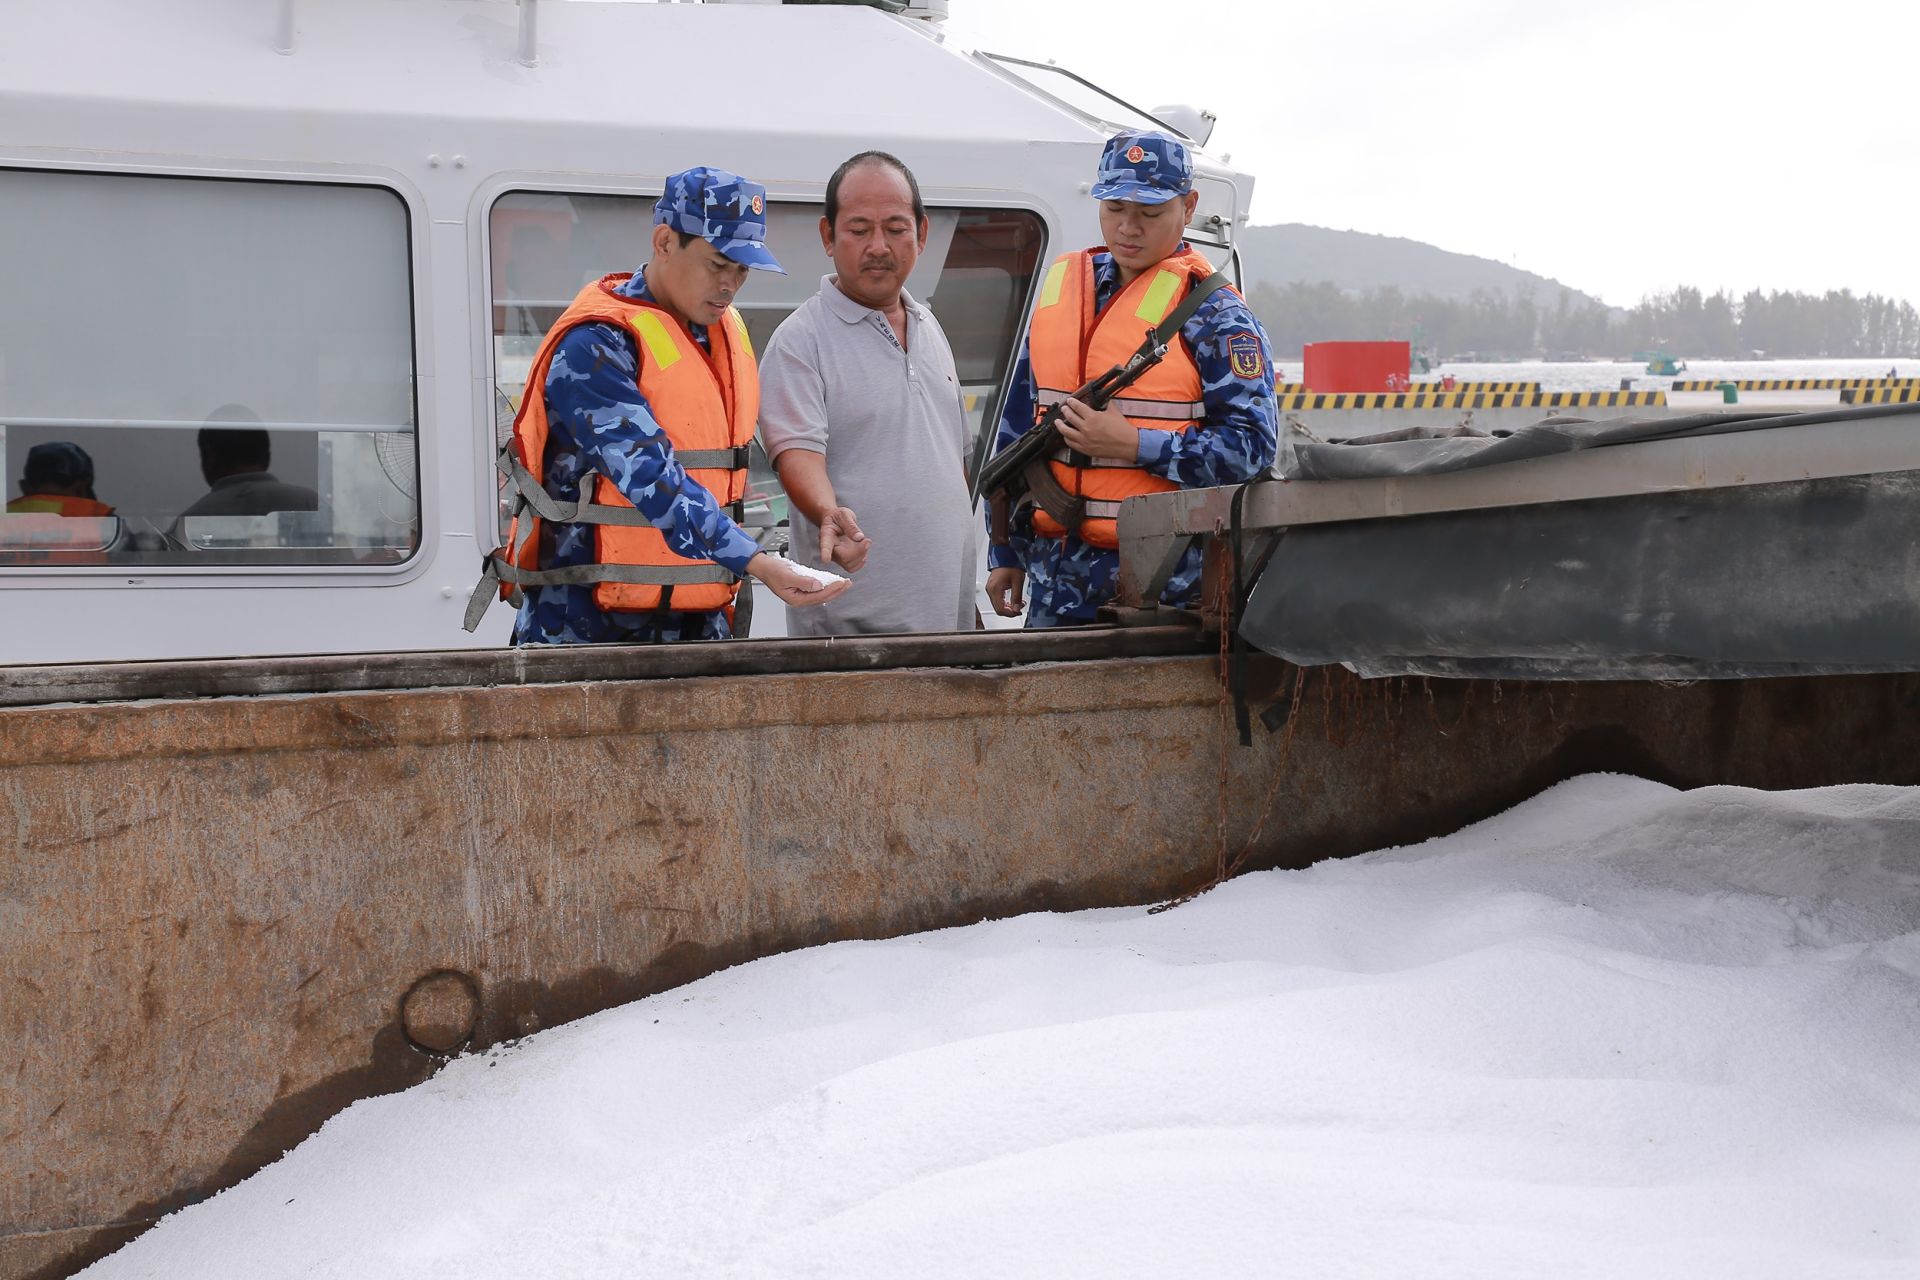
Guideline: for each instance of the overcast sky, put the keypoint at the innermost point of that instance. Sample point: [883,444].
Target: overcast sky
[1620,146]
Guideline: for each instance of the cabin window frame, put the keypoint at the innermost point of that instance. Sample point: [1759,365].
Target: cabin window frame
[1005,65]
[416,223]
[485,203]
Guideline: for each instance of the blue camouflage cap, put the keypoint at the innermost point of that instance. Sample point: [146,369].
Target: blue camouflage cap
[722,208]
[1146,168]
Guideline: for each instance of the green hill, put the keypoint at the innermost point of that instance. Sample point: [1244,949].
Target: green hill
[1356,261]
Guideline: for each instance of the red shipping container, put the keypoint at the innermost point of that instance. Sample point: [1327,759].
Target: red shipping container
[1357,366]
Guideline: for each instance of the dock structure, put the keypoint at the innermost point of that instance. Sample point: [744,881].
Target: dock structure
[1790,384]
[1467,384]
[1881,394]
[1474,399]
[1426,388]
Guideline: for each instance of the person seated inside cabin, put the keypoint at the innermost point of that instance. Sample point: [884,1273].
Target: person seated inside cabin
[234,460]
[57,481]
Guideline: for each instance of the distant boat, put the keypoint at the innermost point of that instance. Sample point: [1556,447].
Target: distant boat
[1660,364]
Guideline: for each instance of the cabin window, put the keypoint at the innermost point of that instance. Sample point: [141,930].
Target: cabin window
[976,276]
[232,360]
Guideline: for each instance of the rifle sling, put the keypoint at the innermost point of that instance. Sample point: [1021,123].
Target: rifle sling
[1168,329]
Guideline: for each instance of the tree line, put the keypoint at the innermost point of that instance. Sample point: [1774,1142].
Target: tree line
[1683,321]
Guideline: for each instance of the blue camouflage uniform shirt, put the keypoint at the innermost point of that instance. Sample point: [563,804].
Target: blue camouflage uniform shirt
[1067,580]
[598,419]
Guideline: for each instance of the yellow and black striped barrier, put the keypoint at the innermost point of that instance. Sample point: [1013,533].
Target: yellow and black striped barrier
[1598,399]
[1880,395]
[1461,384]
[1791,384]
[1477,400]
[1407,400]
[1425,388]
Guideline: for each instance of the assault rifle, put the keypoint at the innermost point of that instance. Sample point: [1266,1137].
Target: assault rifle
[1021,468]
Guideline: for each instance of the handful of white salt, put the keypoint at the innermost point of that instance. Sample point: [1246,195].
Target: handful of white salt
[824,577]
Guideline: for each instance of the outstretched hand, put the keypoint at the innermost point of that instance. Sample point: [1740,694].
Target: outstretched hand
[795,586]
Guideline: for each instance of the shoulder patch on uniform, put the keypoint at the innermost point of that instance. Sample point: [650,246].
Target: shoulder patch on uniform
[1243,351]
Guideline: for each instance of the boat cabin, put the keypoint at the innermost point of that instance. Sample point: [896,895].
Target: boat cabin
[329,237]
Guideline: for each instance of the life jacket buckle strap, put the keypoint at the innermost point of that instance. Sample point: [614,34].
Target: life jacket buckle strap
[1084,463]
[581,511]
[734,458]
[485,592]
[639,575]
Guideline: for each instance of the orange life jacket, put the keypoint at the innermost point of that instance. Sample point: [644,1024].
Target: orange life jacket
[1070,343]
[57,504]
[706,403]
[56,528]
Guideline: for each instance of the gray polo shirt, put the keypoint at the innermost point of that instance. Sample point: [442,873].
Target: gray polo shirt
[892,425]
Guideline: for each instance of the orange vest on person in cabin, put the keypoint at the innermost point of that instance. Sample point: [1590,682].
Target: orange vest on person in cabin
[57,504]
[57,528]
[1070,343]
[707,404]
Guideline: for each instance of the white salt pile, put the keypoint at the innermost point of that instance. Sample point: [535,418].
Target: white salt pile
[1619,1031]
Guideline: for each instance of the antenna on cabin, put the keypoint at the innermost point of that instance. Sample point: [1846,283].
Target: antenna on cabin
[283,28]
[529,23]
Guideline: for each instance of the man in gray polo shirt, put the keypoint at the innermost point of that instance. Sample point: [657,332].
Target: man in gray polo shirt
[861,411]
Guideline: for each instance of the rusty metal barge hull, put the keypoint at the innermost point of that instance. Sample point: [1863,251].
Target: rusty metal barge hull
[224,918]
